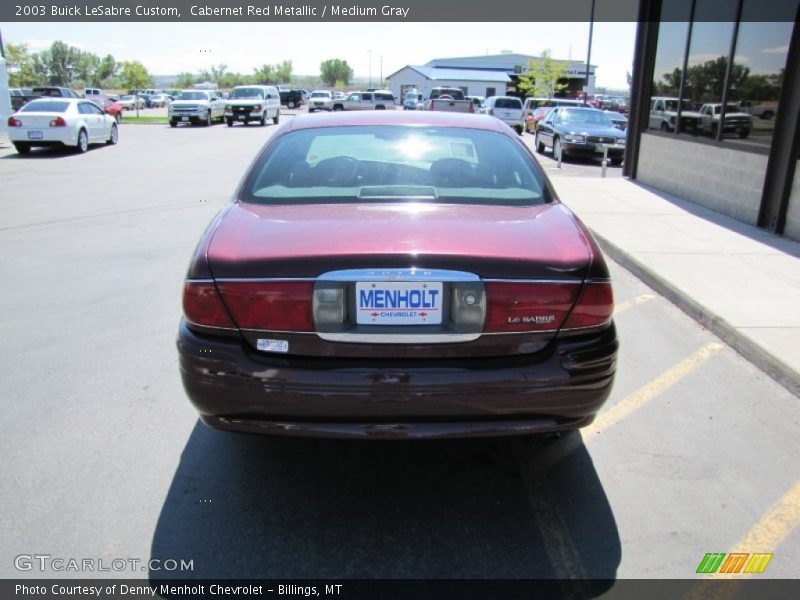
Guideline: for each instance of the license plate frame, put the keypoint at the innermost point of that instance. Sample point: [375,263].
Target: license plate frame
[184,118]
[396,303]
[35,134]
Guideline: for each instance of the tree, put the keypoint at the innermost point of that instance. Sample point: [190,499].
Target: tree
[61,63]
[184,80]
[265,74]
[283,71]
[106,71]
[335,70]
[542,79]
[23,70]
[134,75]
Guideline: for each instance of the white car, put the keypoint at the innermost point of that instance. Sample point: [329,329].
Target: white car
[130,102]
[159,100]
[196,106]
[320,100]
[61,122]
[506,108]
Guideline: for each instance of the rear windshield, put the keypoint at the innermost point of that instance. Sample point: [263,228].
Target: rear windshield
[242,93]
[455,94]
[45,106]
[507,103]
[320,94]
[395,164]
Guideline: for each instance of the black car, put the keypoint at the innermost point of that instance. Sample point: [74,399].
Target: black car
[572,131]
[291,98]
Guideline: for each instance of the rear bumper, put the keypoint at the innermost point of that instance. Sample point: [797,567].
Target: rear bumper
[234,388]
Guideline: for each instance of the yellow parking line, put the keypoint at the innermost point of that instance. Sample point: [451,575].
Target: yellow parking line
[643,395]
[638,300]
[771,529]
[765,536]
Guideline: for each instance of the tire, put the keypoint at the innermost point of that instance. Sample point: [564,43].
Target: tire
[664,126]
[744,134]
[277,117]
[767,114]
[118,117]
[337,107]
[615,161]
[83,142]
[208,120]
[714,128]
[558,151]
[310,109]
[380,107]
[539,145]
[113,137]
[173,123]
[520,129]
[229,122]
[290,104]
[22,148]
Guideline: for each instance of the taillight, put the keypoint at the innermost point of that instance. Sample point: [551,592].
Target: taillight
[530,306]
[594,307]
[270,305]
[203,306]
[12,122]
[58,122]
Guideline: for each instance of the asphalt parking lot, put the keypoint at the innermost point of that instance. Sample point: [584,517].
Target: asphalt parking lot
[104,457]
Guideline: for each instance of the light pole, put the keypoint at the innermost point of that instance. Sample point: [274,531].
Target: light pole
[589,54]
[370,68]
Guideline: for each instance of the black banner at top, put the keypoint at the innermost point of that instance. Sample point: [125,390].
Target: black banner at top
[337,11]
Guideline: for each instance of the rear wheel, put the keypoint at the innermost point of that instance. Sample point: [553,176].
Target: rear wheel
[83,142]
[229,122]
[22,148]
[113,136]
[277,117]
[290,104]
[173,123]
[208,119]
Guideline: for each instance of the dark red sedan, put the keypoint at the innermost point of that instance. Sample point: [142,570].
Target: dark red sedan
[396,275]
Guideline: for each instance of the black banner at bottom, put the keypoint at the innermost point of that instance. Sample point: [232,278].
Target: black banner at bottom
[390,589]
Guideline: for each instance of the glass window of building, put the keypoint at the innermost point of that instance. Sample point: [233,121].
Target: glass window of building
[672,34]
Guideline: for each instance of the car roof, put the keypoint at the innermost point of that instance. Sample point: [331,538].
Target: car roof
[57,98]
[392,117]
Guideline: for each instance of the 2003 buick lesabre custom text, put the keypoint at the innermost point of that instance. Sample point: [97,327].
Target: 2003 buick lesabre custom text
[396,274]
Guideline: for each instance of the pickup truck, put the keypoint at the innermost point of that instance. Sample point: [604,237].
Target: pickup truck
[18,102]
[449,100]
[736,121]
[762,111]
[664,113]
[378,100]
[196,106]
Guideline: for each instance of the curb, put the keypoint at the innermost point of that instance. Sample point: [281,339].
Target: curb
[770,364]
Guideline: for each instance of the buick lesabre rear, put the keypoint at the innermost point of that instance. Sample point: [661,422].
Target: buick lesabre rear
[396,275]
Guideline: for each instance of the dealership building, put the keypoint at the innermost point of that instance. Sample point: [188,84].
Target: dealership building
[489,75]
[715,102]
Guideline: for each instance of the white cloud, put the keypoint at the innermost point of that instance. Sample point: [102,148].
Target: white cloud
[37,45]
[776,50]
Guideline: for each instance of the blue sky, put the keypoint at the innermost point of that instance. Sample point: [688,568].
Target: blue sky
[168,48]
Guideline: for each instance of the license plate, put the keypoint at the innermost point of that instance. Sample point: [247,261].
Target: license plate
[398,303]
[184,118]
[35,135]
[242,117]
